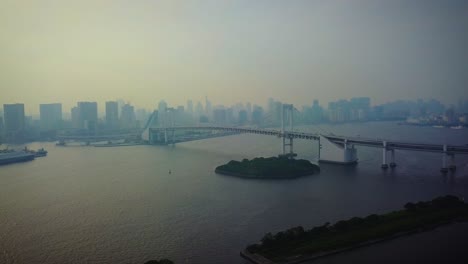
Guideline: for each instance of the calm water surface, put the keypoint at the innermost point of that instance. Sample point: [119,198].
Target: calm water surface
[120,205]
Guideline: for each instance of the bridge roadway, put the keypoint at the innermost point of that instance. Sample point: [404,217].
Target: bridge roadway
[379,143]
[99,137]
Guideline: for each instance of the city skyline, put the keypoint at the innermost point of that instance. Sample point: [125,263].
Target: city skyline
[102,105]
[232,51]
[233,131]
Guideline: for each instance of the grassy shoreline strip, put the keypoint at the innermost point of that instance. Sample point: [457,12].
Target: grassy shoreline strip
[296,245]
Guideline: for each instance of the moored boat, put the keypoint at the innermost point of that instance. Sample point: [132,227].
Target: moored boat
[39,153]
[17,156]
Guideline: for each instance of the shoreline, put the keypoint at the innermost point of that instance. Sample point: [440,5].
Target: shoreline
[247,176]
[259,259]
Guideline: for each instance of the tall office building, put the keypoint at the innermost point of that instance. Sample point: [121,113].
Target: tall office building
[87,115]
[208,108]
[75,117]
[162,108]
[257,115]
[249,110]
[219,116]
[127,117]
[112,114]
[50,116]
[190,107]
[1,127]
[14,117]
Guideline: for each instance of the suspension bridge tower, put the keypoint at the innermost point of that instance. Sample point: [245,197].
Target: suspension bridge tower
[287,113]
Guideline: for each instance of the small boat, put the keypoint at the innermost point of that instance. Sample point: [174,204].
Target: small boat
[438,126]
[456,127]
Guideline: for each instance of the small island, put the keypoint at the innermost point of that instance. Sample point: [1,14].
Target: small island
[296,244]
[268,168]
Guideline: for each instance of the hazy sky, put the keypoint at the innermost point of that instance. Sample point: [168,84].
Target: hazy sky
[243,50]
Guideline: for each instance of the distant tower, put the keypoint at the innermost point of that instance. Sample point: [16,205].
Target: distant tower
[190,107]
[50,116]
[162,107]
[14,117]
[127,117]
[87,115]
[112,114]
[208,108]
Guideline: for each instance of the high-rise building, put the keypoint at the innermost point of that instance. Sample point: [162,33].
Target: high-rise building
[87,115]
[127,117]
[162,108]
[112,114]
[75,117]
[242,117]
[50,116]
[317,112]
[219,116]
[141,115]
[249,111]
[199,109]
[14,117]
[257,115]
[190,107]
[208,108]
[2,128]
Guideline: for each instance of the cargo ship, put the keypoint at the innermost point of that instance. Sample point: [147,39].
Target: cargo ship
[16,156]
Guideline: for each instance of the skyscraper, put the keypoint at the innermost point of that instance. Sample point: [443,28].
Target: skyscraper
[112,114]
[87,112]
[190,107]
[127,117]
[50,116]
[14,117]
[208,108]
[75,117]
[162,107]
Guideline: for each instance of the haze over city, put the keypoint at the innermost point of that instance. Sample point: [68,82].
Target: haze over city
[231,51]
[234,131]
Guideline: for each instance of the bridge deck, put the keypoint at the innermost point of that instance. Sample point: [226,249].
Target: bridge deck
[458,149]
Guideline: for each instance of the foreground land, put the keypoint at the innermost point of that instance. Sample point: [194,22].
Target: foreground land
[298,244]
[268,168]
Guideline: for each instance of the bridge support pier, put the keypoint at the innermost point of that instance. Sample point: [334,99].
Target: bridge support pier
[384,156]
[444,168]
[392,159]
[331,152]
[452,166]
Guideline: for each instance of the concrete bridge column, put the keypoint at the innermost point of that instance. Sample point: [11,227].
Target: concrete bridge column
[384,156]
[291,145]
[452,166]
[444,168]
[392,162]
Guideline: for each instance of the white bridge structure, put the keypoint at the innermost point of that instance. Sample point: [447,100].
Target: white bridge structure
[332,148]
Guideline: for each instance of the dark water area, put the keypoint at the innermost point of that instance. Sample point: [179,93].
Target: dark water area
[120,205]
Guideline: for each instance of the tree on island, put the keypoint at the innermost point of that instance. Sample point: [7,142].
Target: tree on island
[273,167]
